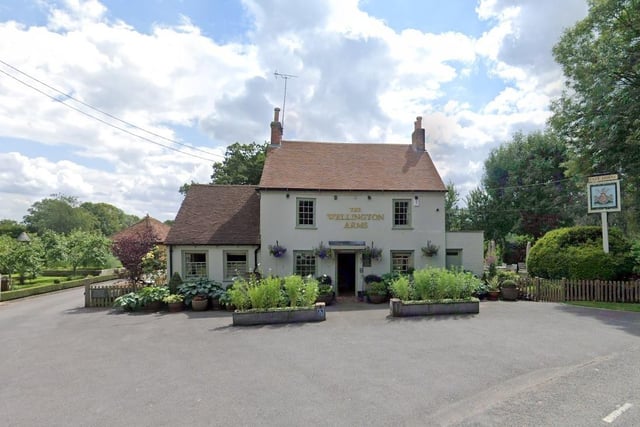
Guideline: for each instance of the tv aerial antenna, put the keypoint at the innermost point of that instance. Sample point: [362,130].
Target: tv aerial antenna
[284,77]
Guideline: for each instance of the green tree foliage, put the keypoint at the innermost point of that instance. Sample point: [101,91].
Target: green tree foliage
[576,253]
[86,249]
[597,114]
[477,214]
[527,190]
[453,216]
[242,164]
[54,246]
[63,214]
[11,228]
[23,258]
[58,213]
[108,218]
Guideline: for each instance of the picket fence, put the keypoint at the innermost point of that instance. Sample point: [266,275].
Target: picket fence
[101,295]
[536,289]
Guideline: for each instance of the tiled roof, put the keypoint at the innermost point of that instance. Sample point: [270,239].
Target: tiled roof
[217,215]
[349,166]
[160,229]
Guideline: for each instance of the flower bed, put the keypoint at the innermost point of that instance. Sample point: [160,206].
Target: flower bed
[434,291]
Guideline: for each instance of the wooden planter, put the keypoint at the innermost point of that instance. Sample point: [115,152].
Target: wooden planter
[398,308]
[493,295]
[295,315]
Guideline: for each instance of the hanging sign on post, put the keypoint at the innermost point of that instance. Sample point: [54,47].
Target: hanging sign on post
[603,193]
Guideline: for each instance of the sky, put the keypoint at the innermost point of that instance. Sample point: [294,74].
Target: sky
[122,102]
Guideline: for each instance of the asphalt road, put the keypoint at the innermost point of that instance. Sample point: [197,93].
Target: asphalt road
[514,364]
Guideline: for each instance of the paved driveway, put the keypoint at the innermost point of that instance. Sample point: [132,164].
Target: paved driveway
[513,364]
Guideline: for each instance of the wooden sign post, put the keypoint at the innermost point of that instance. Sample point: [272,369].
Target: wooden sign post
[603,192]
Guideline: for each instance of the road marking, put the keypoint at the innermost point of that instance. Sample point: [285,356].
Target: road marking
[615,414]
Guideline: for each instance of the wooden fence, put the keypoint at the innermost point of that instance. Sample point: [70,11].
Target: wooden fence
[101,295]
[536,289]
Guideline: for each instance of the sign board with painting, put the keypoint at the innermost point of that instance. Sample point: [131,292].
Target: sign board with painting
[603,192]
[604,196]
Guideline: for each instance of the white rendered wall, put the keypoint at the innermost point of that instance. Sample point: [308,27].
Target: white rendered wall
[215,259]
[471,244]
[278,223]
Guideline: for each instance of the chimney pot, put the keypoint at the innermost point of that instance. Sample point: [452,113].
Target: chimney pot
[276,128]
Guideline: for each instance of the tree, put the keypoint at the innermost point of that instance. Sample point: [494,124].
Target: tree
[54,246]
[11,228]
[453,214]
[131,250]
[527,189]
[108,218]
[597,114]
[477,216]
[242,164]
[24,258]
[84,249]
[58,213]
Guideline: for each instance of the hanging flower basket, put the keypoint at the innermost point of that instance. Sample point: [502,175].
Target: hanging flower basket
[430,250]
[277,250]
[372,252]
[323,252]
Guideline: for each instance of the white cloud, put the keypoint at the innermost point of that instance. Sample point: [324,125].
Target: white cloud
[358,80]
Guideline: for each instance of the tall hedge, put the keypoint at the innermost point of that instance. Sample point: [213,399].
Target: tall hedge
[576,253]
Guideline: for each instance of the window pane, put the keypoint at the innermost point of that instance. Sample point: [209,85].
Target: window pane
[401,212]
[401,261]
[236,265]
[305,212]
[305,264]
[195,265]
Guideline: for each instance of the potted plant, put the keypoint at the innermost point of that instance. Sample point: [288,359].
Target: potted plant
[151,297]
[277,250]
[430,250]
[225,300]
[202,288]
[200,303]
[326,293]
[509,290]
[377,292]
[175,302]
[128,302]
[494,288]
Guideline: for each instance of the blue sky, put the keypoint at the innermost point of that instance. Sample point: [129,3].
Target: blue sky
[193,76]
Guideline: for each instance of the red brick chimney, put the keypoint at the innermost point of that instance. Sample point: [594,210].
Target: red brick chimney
[276,128]
[418,135]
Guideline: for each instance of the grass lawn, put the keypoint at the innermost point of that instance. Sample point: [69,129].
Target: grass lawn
[620,306]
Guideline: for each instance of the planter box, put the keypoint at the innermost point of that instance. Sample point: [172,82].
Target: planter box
[312,314]
[398,309]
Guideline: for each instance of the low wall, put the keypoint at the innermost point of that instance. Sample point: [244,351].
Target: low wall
[37,290]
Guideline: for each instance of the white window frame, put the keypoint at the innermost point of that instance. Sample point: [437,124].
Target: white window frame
[310,257]
[298,213]
[198,266]
[231,271]
[406,265]
[408,213]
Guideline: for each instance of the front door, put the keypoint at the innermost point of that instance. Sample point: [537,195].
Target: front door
[346,274]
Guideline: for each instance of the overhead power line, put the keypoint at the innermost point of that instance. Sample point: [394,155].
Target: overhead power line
[66,96]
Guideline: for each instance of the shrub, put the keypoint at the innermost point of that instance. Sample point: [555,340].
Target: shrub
[309,293]
[400,288]
[436,284]
[377,288]
[293,289]
[265,293]
[174,282]
[576,253]
[202,287]
[128,302]
[150,294]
